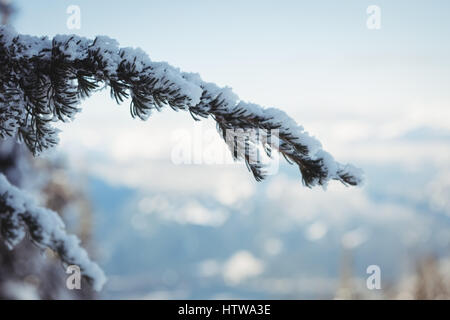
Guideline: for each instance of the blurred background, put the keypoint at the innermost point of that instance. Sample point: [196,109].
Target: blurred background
[160,229]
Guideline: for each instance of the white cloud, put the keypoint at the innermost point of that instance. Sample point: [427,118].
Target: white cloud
[241,266]
[209,268]
[273,246]
[354,238]
[316,231]
[179,210]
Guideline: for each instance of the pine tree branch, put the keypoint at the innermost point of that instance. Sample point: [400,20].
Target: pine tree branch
[20,215]
[43,81]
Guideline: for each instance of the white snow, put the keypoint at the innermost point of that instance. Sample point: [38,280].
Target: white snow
[46,228]
[190,86]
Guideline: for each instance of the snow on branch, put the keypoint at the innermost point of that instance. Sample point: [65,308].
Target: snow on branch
[19,214]
[43,81]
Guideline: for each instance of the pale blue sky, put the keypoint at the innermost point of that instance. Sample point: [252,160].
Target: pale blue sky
[271,52]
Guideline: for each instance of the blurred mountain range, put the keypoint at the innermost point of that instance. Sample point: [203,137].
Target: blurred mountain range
[282,242]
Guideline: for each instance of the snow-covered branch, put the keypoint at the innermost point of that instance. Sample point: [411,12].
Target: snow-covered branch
[19,215]
[43,81]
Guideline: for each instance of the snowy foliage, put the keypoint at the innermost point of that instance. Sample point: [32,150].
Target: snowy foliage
[43,81]
[20,215]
